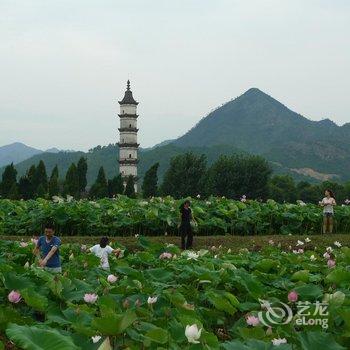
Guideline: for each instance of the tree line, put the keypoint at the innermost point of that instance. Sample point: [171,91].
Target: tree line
[187,175]
[234,177]
[37,184]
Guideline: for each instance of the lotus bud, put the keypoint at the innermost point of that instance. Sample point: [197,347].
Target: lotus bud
[192,333]
[14,297]
[293,296]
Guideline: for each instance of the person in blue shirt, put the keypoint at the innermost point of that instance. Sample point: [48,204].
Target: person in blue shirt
[47,248]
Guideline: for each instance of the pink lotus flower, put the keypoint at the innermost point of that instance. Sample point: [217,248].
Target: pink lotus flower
[293,296]
[14,297]
[252,320]
[90,298]
[331,263]
[326,255]
[300,251]
[165,255]
[112,278]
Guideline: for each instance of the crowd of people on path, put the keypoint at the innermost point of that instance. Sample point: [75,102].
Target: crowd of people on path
[47,246]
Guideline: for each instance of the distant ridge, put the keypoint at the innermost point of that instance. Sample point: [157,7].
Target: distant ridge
[16,152]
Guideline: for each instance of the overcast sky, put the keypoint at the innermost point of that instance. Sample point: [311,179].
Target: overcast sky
[64,64]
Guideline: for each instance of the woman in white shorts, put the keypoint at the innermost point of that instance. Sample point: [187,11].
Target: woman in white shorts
[328,203]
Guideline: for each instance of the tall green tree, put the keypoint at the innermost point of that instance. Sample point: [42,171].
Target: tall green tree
[54,189]
[71,183]
[40,178]
[100,188]
[347,190]
[282,189]
[24,188]
[238,175]
[82,171]
[41,192]
[31,173]
[308,193]
[221,178]
[150,182]
[13,192]
[130,187]
[185,176]
[9,179]
[115,186]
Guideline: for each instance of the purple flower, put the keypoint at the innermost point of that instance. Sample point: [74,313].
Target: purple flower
[90,298]
[331,263]
[293,296]
[14,297]
[252,320]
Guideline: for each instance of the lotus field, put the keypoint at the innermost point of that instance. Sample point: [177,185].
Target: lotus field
[158,297]
[126,217]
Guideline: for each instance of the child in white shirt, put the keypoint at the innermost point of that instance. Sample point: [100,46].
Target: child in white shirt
[102,251]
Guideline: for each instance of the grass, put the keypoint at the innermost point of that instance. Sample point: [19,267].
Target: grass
[233,242]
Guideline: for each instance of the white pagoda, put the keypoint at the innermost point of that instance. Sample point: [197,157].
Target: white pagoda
[128,146]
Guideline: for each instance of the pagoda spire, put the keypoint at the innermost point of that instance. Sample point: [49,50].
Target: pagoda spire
[128,98]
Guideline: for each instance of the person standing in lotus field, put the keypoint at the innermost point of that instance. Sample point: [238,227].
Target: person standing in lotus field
[185,226]
[102,251]
[47,249]
[328,203]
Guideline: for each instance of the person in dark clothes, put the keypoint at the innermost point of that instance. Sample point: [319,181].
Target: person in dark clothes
[185,226]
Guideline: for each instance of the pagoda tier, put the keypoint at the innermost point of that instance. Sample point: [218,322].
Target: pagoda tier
[128,145]
[128,116]
[127,161]
[128,129]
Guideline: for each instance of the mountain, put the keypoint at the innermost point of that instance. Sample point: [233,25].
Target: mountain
[16,152]
[160,144]
[257,123]
[53,150]
[252,123]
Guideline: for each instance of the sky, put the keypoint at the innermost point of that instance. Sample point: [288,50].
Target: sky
[64,64]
